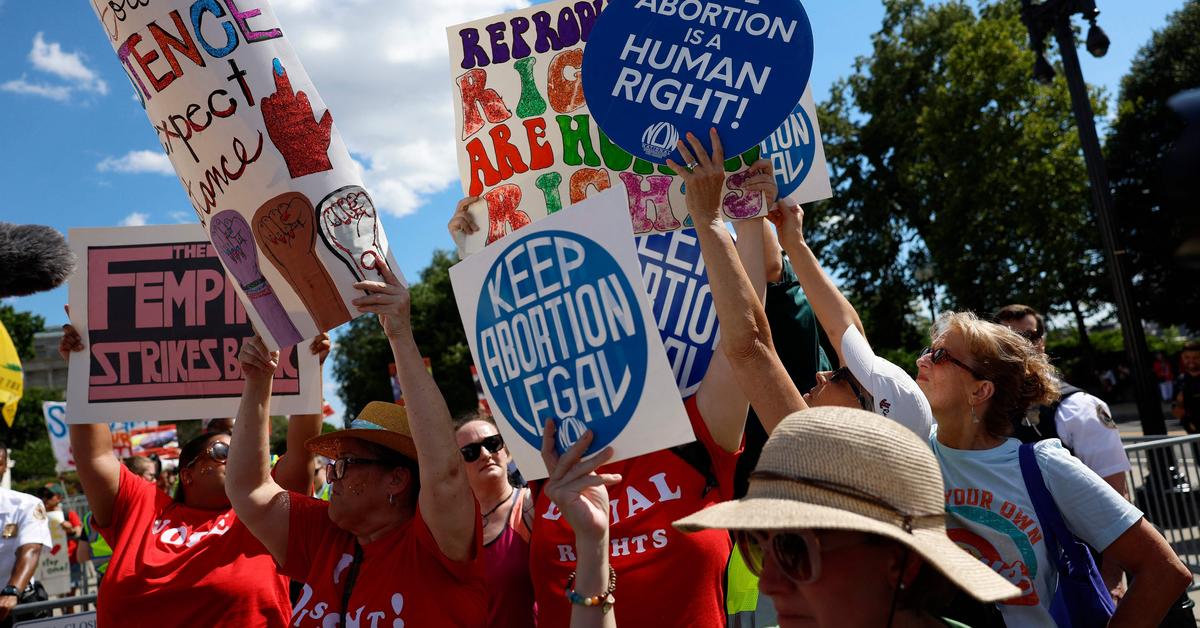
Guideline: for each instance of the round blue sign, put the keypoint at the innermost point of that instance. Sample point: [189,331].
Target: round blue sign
[560,335]
[791,149]
[654,70]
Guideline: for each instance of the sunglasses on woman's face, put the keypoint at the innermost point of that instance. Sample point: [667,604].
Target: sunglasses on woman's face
[493,443]
[939,355]
[797,554]
[217,450]
[336,469]
[843,375]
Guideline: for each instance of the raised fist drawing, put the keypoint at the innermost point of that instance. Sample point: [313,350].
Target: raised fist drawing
[300,137]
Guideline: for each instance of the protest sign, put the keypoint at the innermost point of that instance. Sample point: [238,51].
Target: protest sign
[558,323]
[257,153]
[673,272]
[54,568]
[129,438]
[796,152]
[656,70]
[60,442]
[527,143]
[76,620]
[163,325]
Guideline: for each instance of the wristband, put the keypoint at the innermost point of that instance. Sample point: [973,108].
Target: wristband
[605,600]
[10,590]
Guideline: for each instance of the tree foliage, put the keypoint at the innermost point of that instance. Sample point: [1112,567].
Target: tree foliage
[21,327]
[360,363]
[947,155]
[1139,139]
[28,438]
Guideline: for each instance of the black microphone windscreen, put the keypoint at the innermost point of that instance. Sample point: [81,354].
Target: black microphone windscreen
[33,258]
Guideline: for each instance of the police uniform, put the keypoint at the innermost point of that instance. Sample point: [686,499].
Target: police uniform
[22,521]
[1085,426]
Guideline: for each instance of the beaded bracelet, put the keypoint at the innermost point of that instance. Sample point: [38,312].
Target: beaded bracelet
[605,600]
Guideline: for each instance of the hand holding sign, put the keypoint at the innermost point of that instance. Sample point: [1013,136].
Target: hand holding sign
[580,493]
[389,300]
[788,218]
[258,362]
[300,138]
[704,178]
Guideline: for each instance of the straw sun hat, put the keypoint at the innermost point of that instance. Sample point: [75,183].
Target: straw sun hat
[835,468]
[382,423]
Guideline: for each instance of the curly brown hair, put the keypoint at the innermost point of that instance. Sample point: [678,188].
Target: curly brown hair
[1020,373]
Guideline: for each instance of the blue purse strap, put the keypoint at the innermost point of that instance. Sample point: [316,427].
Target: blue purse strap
[1081,599]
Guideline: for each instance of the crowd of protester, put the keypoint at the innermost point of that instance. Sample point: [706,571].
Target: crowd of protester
[867,505]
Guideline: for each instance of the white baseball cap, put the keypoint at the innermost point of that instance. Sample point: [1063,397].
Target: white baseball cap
[896,394]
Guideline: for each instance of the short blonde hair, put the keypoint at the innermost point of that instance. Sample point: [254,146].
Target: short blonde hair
[1020,373]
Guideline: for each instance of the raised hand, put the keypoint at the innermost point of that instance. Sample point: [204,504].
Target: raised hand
[320,347]
[462,222]
[704,177]
[788,218]
[389,300]
[580,493]
[762,180]
[258,364]
[71,340]
[300,138]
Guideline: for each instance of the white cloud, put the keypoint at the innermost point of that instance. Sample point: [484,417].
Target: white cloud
[383,68]
[183,217]
[138,162]
[69,67]
[22,86]
[136,219]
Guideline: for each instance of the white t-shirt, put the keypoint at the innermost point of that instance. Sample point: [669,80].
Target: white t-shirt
[22,521]
[1085,425]
[992,516]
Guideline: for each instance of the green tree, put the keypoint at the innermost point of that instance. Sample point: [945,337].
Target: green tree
[28,437]
[1139,139]
[21,326]
[947,155]
[360,363]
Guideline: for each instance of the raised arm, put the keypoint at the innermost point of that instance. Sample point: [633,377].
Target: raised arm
[91,445]
[27,562]
[258,500]
[446,501]
[745,333]
[294,471]
[722,403]
[833,311]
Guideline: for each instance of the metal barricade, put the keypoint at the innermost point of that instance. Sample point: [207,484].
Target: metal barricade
[1161,484]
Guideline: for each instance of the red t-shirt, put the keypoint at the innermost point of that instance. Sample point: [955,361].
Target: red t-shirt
[73,542]
[404,579]
[664,577]
[175,564]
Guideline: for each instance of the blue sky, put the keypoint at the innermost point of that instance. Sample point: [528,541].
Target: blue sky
[79,151]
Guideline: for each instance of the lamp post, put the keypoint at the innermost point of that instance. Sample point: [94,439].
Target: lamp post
[1041,19]
[924,274]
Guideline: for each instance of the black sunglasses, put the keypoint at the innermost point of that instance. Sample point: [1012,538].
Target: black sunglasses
[1032,335]
[217,450]
[941,354]
[844,375]
[336,469]
[471,452]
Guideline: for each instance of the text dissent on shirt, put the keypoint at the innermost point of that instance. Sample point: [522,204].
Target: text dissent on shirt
[559,335]
[658,69]
[165,323]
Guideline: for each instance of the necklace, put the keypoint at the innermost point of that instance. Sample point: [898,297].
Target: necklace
[498,505]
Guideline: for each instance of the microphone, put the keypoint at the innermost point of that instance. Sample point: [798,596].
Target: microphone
[33,258]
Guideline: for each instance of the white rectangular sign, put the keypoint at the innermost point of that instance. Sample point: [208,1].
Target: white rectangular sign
[163,324]
[560,328]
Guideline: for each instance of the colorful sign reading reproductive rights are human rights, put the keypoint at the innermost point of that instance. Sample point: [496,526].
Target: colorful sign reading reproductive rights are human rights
[656,70]
[528,144]
[560,328]
[258,155]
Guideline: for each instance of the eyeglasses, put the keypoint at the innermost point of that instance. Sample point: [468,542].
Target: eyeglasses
[940,354]
[494,443]
[798,554]
[217,450]
[1032,335]
[336,469]
[844,375]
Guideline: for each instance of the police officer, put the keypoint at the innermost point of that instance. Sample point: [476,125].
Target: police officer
[24,531]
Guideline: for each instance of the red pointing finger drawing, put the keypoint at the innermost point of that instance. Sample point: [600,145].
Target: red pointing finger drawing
[300,137]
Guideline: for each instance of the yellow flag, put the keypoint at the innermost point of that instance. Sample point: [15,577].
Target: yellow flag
[12,379]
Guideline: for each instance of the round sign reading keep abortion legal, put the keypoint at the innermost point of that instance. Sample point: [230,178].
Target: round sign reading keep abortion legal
[654,70]
[560,335]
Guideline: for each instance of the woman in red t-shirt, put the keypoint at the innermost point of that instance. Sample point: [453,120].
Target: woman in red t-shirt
[382,551]
[187,560]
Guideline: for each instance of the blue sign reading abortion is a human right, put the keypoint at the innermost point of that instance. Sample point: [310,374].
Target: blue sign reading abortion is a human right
[792,148]
[655,70]
[561,334]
